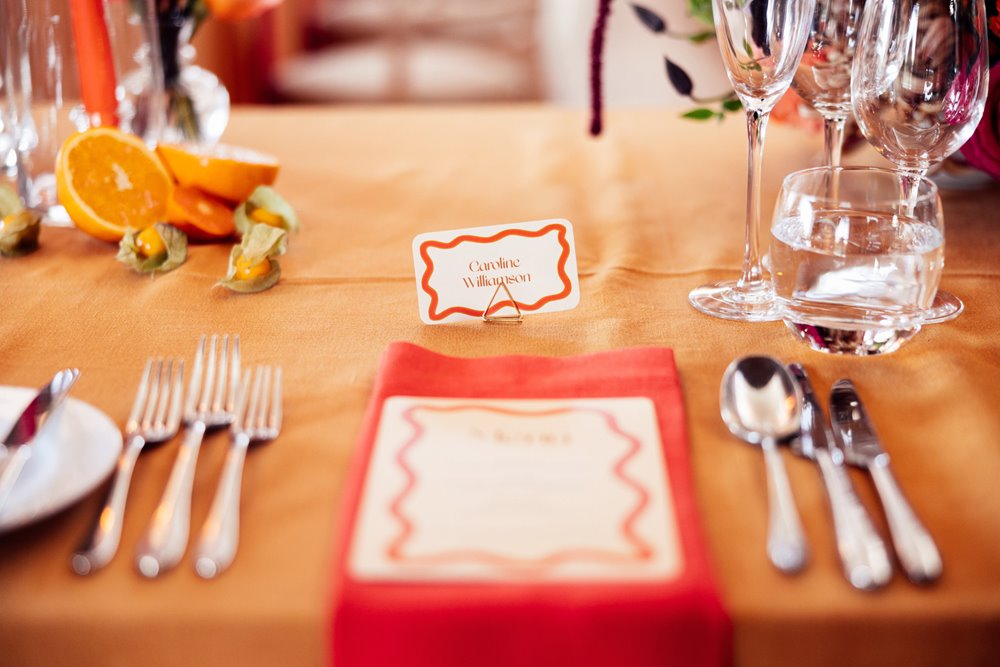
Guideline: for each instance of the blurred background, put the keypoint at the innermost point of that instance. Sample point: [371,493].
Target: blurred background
[453,51]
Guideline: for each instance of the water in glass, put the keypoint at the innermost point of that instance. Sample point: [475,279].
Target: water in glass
[852,266]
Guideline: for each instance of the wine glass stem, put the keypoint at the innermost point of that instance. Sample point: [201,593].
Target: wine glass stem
[833,142]
[909,184]
[756,127]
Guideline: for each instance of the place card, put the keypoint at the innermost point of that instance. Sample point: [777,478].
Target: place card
[491,490]
[459,272]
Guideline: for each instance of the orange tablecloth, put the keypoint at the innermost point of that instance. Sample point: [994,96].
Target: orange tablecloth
[657,206]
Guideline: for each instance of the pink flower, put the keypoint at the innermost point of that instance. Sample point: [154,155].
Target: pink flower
[982,150]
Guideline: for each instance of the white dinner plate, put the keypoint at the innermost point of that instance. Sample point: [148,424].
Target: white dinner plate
[74,452]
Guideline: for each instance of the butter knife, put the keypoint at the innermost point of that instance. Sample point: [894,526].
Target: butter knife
[853,429]
[863,554]
[16,447]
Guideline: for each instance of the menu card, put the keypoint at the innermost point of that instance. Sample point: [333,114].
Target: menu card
[497,490]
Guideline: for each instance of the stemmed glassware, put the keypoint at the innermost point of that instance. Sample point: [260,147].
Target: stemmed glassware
[761,43]
[823,78]
[919,86]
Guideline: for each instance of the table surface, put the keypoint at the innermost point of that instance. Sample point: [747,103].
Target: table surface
[657,205]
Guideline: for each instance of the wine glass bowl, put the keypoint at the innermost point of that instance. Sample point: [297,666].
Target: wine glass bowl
[823,78]
[761,42]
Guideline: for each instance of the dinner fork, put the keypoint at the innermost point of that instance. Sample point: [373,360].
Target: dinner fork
[155,418]
[210,403]
[258,418]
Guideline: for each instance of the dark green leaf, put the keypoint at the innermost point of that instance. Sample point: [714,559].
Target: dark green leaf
[679,78]
[732,105]
[700,37]
[650,19]
[699,114]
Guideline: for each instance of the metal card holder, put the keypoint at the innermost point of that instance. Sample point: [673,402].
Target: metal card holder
[517,318]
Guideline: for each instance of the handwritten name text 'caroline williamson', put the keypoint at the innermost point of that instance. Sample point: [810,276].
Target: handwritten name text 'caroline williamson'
[479,268]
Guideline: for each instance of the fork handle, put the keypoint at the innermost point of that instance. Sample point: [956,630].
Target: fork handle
[166,539]
[101,543]
[221,532]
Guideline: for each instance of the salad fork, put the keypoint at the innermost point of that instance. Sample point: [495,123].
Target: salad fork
[258,418]
[155,418]
[210,403]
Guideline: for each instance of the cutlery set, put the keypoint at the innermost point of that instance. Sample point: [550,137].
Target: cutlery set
[768,404]
[218,396]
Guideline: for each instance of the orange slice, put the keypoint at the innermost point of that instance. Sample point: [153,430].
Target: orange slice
[229,172]
[199,215]
[109,180]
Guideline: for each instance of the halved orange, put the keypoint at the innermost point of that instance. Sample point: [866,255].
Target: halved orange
[229,172]
[109,180]
[199,215]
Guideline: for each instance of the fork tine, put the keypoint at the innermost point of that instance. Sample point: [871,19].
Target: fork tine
[254,409]
[140,398]
[220,378]
[194,389]
[260,423]
[164,390]
[274,419]
[208,384]
[174,418]
[154,392]
[234,375]
[243,394]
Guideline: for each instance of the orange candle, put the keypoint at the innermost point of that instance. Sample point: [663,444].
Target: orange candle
[95,61]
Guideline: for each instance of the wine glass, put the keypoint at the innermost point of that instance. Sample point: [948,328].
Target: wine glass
[823,78]
[761,43]
[918,88]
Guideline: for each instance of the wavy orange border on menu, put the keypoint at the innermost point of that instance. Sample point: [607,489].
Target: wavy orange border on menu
[425,281]
[639,549]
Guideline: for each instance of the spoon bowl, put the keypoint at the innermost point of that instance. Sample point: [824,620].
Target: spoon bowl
[761,404]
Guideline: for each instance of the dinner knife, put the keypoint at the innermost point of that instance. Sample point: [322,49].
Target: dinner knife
[16,447]
[863,554]
[853,428]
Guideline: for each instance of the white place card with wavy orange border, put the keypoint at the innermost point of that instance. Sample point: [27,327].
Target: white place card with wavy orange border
[459,271]
[516,490]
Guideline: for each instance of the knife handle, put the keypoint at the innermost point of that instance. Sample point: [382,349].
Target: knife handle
[101,543]
[166,539]
[863,554]
[786,542]
[915,547]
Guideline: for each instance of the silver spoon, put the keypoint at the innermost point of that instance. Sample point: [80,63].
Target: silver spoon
[761,404]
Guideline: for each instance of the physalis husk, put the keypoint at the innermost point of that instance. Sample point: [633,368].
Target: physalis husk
[19,227]
[253,266]
[156,249]
[265,207]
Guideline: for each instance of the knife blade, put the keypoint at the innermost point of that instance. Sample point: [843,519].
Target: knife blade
[16,446]
[853,429]
[863,554]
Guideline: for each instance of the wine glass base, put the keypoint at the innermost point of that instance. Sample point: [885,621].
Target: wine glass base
[729,301]
[946,307]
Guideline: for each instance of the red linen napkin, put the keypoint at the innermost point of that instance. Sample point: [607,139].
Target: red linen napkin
[638,624]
